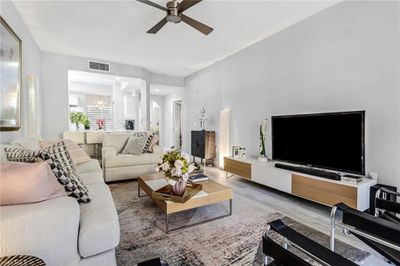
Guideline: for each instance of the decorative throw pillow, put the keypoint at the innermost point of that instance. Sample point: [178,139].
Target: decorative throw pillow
[59,159]
[154,140]
[23,183]
[15,154]
[143,134]
[78,155]
[135,145]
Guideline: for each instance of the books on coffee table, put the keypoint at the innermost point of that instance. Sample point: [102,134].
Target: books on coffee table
[198,178]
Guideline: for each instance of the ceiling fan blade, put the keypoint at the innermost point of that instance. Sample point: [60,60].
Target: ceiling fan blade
[186,4]
[147,2]
[197,25]
[158,26]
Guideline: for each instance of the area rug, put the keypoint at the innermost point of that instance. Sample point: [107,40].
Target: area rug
[234,240]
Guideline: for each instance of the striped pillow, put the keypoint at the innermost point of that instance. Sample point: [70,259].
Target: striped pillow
[22,155]
[59,159]
[149,136]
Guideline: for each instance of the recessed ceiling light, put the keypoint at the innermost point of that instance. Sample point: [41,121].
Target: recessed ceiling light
[157,90]
[117,78]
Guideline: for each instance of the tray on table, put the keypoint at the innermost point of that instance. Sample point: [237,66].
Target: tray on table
[164,193]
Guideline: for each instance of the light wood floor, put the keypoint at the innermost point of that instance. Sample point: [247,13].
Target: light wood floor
[304,211]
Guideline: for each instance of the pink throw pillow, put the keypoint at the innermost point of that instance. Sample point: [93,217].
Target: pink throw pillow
[78,155]
[22,183]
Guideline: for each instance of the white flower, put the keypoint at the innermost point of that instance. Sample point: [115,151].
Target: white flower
[191,168]
[157,169]
[165,166]
[178,172]
[178,164]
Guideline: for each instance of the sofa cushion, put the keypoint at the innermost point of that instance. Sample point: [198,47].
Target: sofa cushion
[122,160]
[78,155]
[47,229]
[116,140]
[30,143]
[92,178]
[99,225]
[92,166]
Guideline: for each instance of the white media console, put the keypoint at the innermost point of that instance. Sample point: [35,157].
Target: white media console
[322,190]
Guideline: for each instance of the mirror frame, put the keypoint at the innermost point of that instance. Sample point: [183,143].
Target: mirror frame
[17,126]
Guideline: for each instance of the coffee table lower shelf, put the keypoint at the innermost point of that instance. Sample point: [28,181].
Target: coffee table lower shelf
[168,230]
[210,187]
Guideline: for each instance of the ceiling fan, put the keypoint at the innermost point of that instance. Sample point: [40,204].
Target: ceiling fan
[174,14]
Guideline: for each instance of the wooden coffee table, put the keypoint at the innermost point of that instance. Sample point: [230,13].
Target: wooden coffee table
[211,193]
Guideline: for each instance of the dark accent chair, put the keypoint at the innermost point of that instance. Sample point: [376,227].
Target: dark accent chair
[381,232]
[277,254]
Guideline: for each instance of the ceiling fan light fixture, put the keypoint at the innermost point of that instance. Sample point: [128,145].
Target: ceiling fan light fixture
[174,14]
[174,19]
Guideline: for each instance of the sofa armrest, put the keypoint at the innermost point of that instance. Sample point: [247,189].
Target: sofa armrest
[107,152]
[47,229]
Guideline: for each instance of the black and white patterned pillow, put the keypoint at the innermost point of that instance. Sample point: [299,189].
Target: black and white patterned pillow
[15,154]
[60,162]
[149,138]
[135,145]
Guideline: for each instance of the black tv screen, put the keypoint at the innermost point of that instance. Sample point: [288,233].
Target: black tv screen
[333,141]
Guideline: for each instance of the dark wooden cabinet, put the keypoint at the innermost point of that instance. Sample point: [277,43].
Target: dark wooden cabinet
[203,145]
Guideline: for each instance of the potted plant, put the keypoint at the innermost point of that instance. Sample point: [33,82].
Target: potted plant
[176,168]
[77,118]
[86,124]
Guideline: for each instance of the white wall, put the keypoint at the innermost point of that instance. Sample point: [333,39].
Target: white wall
[31,56]
[344,58]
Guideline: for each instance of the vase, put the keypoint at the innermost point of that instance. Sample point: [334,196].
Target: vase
[77,127]
[178,188]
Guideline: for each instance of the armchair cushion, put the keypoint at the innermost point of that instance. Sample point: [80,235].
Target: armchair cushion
[122,160]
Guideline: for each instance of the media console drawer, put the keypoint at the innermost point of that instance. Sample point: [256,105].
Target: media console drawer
[237,167]
[324,192]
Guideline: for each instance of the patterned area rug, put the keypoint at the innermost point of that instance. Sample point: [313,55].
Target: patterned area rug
[233,240]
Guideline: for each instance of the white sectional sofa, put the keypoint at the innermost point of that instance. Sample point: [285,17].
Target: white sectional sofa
[62,231]
[118,166]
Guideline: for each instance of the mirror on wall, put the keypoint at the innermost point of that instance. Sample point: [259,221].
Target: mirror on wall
[10,81]
[106,102]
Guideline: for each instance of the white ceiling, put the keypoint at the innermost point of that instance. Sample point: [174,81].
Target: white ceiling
[115,31]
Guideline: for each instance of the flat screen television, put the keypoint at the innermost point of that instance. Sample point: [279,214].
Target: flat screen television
[333,141]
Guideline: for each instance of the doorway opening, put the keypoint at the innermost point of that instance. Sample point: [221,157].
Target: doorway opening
[106,102]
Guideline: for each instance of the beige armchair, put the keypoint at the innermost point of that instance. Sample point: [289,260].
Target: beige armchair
[118,166]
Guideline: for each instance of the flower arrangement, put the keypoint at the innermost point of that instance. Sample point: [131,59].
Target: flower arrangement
[100,123]
[176,168]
